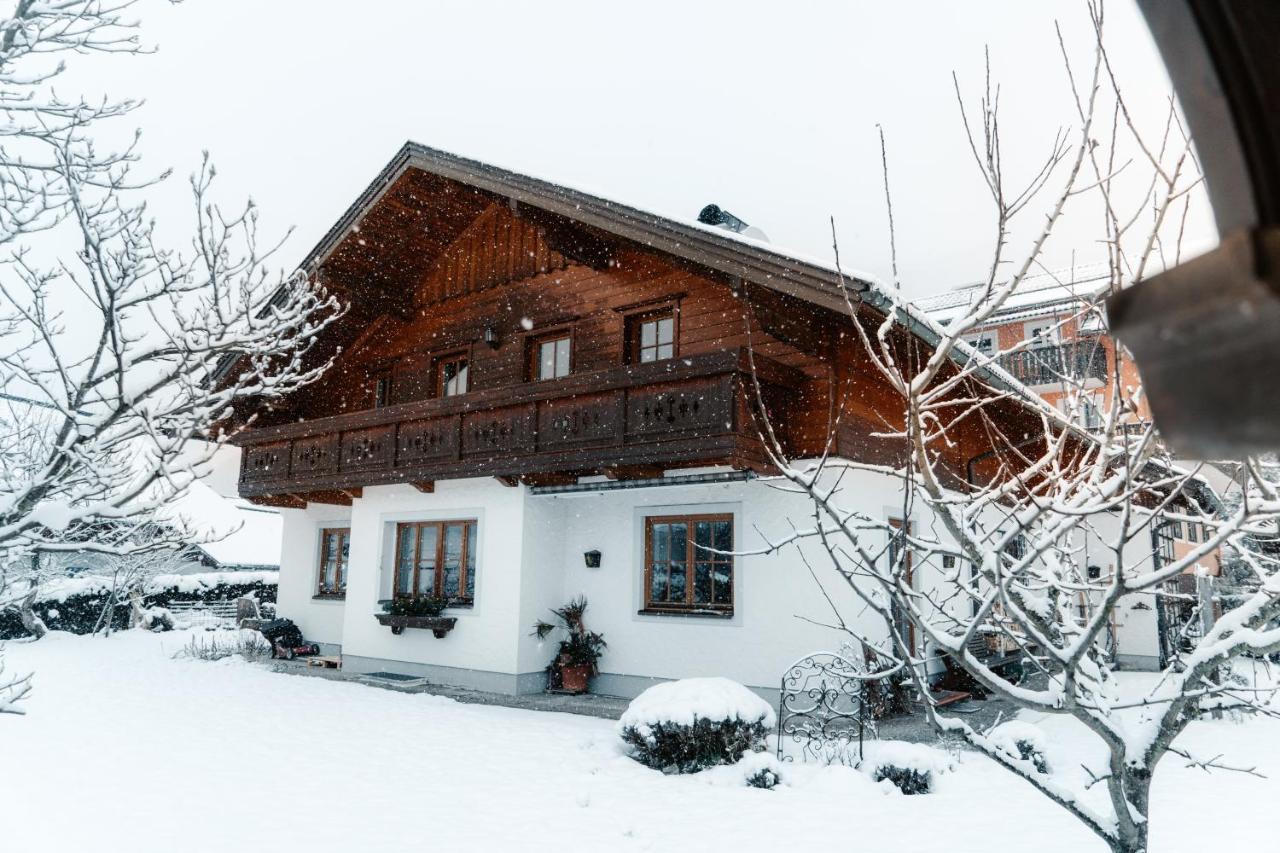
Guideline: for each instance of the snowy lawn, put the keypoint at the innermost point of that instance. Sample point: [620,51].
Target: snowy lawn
[124,748]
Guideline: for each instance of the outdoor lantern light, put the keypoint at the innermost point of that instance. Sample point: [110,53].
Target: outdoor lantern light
[592,558]
[491,337]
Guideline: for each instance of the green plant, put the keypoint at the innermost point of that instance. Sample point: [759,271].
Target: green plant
[580,647]
[415,605]
[683,748]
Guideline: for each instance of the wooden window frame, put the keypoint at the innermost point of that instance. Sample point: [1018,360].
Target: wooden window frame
[689,608]
[635,321]
[437,583]
[438,362]
[382,390]
[533,347]
[340,573]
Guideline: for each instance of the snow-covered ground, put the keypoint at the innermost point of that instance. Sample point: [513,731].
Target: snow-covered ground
[124,748]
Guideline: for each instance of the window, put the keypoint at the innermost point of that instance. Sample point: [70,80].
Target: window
[436,558]
[335,546]
[451,376]
[550,356]
[1175,529]
[653,336]
[382,392]
[1193,531]
[984,343]
[1042,332]
[682,572]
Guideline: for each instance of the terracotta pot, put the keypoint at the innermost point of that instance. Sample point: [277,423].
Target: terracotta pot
[574,678]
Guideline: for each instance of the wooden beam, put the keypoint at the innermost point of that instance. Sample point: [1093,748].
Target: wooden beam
[549,479]
[340,497]
[286,501]
[427,486]
[509,481]
[633,472]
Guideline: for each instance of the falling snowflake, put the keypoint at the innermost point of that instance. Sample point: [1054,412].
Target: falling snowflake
[526,323]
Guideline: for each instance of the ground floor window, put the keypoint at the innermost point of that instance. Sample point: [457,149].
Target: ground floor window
[335,546]
[436,558]
[688,563]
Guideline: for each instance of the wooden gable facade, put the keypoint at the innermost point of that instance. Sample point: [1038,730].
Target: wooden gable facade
[456,275]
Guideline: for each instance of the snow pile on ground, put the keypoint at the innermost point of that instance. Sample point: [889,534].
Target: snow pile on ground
[124,748]
[689,699]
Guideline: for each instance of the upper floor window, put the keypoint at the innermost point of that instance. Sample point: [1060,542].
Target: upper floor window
[335,547]
[451,375]
[983,342]
[551,356]
[1043,332]
[653,336]
[436,558]
[382,392]
[683,570]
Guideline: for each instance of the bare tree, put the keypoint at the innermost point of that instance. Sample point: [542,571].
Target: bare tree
[118,346]
[1017,538]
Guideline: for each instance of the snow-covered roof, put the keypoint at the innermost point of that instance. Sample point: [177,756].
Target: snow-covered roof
[1036,295]
[231,531]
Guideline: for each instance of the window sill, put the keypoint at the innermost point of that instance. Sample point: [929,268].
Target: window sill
[454,605]
[329,596]
[691,614]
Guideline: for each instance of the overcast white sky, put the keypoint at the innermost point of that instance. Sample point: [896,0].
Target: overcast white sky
[768,109]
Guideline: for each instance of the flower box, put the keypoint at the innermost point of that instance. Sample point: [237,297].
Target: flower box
[437,625]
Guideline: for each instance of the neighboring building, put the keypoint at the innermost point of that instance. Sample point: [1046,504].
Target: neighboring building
[540,394]
[1051,336]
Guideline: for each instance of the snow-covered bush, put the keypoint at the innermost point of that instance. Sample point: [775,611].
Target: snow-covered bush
[688,725]
[910,767]
[761,769]
[156,619]
[1021,741]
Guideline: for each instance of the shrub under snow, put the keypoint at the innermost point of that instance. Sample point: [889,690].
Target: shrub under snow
[1022,741]
[688,725]
[912,768]
[761,769]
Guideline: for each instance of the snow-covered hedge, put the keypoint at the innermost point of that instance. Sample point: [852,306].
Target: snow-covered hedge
[688,725]
[76,604]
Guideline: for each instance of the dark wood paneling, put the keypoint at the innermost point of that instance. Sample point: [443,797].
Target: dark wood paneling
[685,412]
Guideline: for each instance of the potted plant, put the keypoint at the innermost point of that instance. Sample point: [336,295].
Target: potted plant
[417,611]
[576,661]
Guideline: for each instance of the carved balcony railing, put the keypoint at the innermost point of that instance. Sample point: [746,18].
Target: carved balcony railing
[686,411]
[1044,365]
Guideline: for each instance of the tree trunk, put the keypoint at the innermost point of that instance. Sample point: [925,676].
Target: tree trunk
[32,623]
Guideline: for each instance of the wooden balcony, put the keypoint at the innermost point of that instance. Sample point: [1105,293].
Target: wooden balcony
[1045,365]
[686,411]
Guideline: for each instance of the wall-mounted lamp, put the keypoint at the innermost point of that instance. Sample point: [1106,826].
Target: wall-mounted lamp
[491,337]
[592,559]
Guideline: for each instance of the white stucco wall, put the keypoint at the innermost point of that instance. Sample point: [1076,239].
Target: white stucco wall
[773,595]
[530,559]
[320,619]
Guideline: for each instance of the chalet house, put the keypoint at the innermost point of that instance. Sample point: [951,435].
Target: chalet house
[540,394]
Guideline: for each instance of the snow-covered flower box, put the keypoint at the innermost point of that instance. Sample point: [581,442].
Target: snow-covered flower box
[437,625]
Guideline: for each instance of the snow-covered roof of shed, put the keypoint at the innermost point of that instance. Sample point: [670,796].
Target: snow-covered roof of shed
[232,531]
